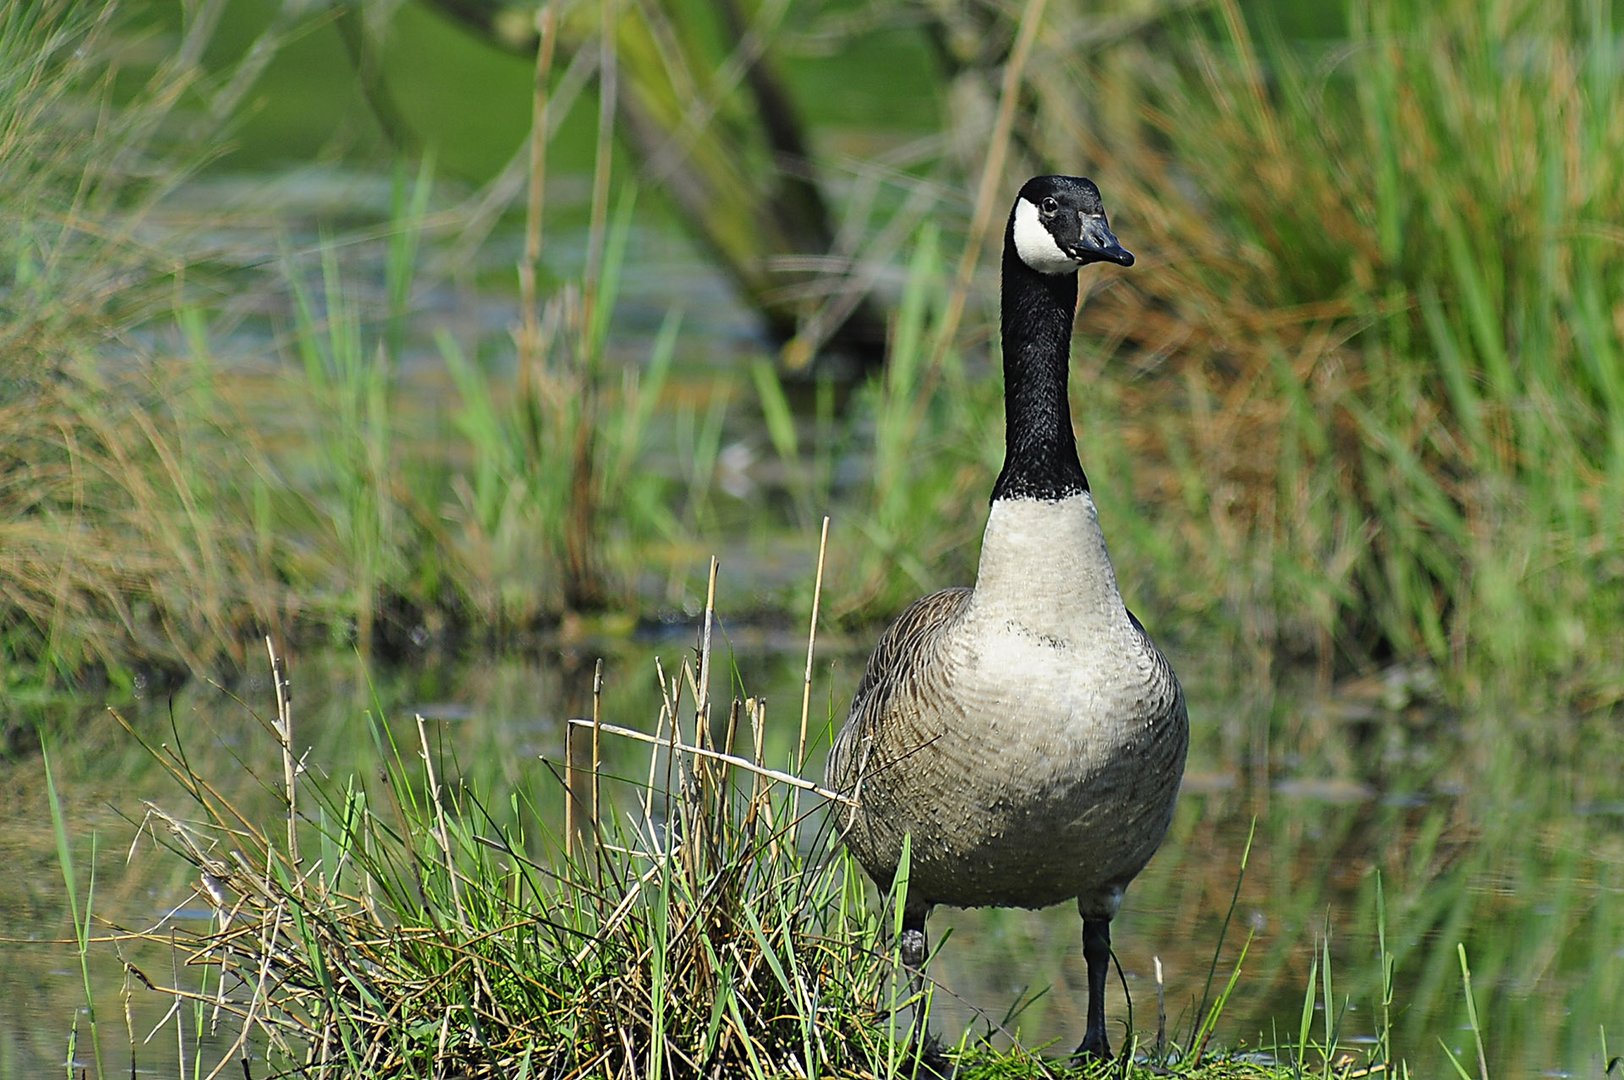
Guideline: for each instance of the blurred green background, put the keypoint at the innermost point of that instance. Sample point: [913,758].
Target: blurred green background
[305,337]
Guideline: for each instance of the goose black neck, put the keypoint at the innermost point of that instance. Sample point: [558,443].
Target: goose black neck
[1040,450]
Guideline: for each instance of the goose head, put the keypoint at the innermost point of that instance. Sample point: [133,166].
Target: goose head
[1058,225]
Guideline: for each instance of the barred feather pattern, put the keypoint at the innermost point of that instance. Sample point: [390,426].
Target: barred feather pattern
[1027,734]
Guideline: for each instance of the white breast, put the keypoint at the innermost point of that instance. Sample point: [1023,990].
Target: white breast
[1047,646]
[1045,566]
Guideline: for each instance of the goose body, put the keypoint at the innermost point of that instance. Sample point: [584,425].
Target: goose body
[1026,734]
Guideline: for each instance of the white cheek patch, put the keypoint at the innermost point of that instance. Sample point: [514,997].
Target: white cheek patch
[1035,245]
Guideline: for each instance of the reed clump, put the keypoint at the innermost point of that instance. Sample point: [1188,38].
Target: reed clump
[97,540]
[687,922]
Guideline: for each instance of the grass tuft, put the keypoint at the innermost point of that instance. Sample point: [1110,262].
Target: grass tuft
[697,927]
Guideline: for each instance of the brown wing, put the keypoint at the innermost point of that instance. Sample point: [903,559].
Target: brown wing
[901,647]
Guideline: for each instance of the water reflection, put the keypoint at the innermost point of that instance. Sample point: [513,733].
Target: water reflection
[1499,844]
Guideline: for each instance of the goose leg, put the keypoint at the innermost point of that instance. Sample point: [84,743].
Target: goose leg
[1097,954]
[915,947]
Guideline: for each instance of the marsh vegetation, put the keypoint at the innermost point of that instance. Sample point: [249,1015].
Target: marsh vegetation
[269,369]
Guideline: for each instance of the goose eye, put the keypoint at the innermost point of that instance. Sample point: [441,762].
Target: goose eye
[1050,205]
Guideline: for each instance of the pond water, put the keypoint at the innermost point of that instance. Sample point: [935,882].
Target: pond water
[1470,843]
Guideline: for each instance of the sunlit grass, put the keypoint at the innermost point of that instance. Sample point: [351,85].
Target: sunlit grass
[413,925]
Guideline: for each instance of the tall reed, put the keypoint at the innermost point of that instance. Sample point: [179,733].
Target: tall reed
[1370,376]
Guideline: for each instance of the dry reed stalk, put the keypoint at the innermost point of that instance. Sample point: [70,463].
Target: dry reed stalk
[724,780]
[764,797]
[755,767]
[670,714]
[442,835]
[752,708]
[811,641]
[283,726]
[569,792]
[659,726]
[597,744]
[702,696]
[680,828]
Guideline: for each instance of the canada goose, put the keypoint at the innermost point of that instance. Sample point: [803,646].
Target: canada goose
[1026,733]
